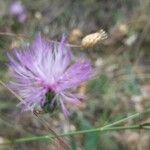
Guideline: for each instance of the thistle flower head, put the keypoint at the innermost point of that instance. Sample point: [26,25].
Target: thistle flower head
[44,74]
[18,10]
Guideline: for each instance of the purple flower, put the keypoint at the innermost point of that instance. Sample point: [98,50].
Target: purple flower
[44,73]
[18,10]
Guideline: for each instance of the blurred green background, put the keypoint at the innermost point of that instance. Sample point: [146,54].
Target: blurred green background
[121,86]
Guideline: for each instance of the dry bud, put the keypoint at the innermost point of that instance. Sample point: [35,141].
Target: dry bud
[93,39]
[75,35]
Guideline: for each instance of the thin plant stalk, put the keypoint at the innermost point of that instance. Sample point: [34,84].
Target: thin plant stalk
[102,129]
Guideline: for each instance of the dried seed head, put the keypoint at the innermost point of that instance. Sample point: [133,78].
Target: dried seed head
[75,35]
[123,28]
[93,39]
[38,15]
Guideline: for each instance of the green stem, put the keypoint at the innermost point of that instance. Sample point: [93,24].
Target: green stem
[109,127]
[122,120]
[126,118]
[50,137]
[104,129]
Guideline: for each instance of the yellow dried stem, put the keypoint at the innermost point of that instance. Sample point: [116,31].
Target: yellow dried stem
[93,39]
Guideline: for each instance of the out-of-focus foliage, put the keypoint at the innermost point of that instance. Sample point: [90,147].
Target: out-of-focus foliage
[120,87]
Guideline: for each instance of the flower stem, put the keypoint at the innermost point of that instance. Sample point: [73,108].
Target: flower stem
[50,137]
[109,127]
